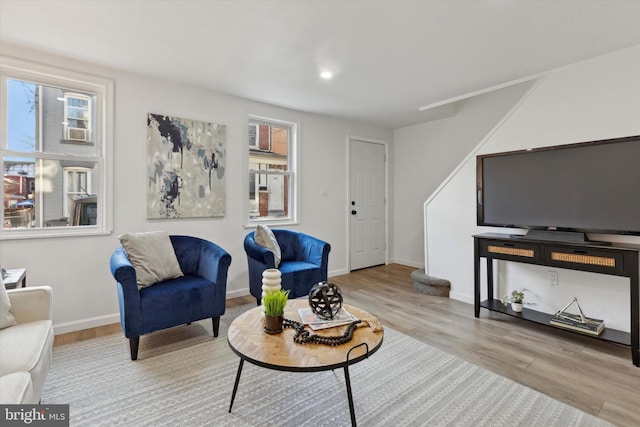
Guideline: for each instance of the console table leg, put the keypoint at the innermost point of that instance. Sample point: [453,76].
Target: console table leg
[489,278]
[634,292]
[476,277]
[347,381]
[235,386]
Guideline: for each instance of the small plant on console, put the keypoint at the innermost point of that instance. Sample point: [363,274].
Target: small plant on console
[516,298]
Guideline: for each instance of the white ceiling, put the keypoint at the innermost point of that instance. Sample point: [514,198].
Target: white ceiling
[389,57]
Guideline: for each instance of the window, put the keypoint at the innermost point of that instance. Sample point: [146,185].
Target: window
[77,117]
[55,151]
[272,177]
[77,182]
[253,135]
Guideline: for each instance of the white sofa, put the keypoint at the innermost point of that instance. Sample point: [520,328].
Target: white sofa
[26,347]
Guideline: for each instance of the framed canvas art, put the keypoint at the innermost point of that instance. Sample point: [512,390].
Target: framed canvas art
[186,168]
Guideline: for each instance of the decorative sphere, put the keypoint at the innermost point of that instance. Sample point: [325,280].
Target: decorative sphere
[325,299]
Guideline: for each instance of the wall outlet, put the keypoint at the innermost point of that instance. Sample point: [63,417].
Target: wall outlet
[553,278]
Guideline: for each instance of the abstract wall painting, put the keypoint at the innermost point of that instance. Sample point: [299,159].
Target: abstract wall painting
[186,168]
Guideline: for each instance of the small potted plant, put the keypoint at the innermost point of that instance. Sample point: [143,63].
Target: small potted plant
[515,299]
[274,303]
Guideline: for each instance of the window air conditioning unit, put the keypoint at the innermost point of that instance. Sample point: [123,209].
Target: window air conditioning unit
[77,134]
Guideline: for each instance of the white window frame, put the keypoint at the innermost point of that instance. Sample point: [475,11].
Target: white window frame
[256,139]
[292,173]
[102,88]
[71,193]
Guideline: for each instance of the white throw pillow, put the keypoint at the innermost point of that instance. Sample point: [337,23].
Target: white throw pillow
[6,318]
[152,256]
[265,237]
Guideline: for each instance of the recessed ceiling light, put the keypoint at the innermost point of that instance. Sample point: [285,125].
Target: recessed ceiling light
[326,75]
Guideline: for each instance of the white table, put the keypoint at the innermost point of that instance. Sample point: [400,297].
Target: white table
[15,278]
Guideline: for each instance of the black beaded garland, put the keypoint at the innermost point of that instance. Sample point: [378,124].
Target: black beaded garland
[303,336]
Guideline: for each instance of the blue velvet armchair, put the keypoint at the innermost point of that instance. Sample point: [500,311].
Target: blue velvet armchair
[305,260]
[199,294]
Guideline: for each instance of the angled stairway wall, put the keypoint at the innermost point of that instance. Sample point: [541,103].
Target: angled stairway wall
[590,100]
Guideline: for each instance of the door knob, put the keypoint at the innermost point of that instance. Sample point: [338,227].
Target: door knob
[353,212]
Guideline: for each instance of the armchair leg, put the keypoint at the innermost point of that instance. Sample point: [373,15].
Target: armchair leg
[216,325]
[258,301]
[133,345]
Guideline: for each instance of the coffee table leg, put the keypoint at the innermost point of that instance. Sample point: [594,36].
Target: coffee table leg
[347,381]
[235,386]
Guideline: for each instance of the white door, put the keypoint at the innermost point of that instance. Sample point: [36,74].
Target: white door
[367,204]
[276,193]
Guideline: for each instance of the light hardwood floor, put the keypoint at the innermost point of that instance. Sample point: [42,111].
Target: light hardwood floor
[594,376]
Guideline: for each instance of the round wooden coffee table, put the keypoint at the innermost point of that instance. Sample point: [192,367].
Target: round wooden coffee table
[248,340]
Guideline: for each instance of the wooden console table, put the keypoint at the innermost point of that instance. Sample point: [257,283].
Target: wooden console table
[617,260]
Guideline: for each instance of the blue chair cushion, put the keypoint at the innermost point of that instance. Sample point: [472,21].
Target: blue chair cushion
[177,301]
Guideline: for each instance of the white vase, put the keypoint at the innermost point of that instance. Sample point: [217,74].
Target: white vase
[516,306]
[271,281]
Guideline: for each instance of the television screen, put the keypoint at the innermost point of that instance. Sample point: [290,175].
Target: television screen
[585,187]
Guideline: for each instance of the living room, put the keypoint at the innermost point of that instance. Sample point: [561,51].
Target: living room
[430,178]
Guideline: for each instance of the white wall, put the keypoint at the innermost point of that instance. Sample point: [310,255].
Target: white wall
[425,154]
[78,268]
[590,100]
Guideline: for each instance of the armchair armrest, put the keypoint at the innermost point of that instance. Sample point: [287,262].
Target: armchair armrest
[214,262]
[128,293]
[31,304]
[259,252]
[313,250]
[124,273]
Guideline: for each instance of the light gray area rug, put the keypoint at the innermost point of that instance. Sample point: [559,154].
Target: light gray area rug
[184,377]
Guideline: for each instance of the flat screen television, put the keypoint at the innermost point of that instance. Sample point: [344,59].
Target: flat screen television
[563,192]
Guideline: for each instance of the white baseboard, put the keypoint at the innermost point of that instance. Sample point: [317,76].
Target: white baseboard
[238,293]
[78,325]
[461,297]
[339,272]
[406,262]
